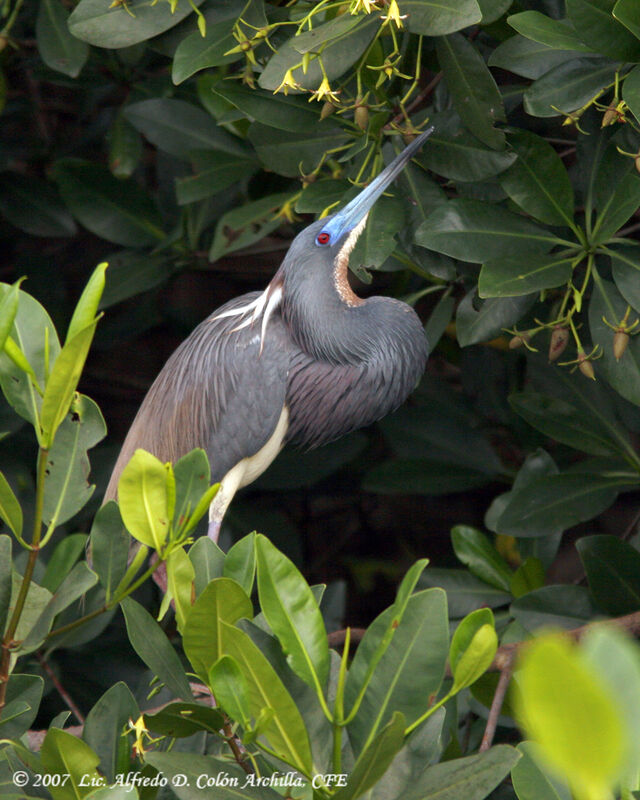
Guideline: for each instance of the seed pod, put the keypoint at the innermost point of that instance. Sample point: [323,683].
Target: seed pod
[361,117]
[558,343]
[636,162]
[585,366]
[327,109]
[610,116]
[519,340]
[620,342]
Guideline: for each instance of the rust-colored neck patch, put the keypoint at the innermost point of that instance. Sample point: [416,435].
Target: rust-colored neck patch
[341,267]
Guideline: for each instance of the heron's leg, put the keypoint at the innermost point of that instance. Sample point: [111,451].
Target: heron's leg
[214,530]
[220,503]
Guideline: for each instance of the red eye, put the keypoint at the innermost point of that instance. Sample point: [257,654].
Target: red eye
[323,238]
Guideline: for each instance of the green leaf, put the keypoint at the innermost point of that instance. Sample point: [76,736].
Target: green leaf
[625,266]
[476,657]
[214,170]
[109,542]
[58,48]
[422,476]
[612,568]
[430,18]
[292,613]
[528,577]
[408,674]
[465,592]
[474,92]
[191,473]
[575,718]
[240,562]
[132,272]
[196,52]
[180,720]
[556,33]
[180,575]
[117,210]
[538,181]
[374,761]
[527,58]
[494,315]
[626,12]
[290,153]
[455,153]
[559,501]
[554,606]
[569,86]
[474,231]
[97,23]
[515,276]
[65,754]
[103,728]
[63,558]
[10,509]
[143,499]
[474,549]
[473,777]
[76,584]
[623,375]
[597,28]
[531,782]
[285,730]
[178,128]
[125,147]
[568,423]
[246,225]
[34,206]
[62,383]
[22,702]
[5,579]
[151,644]
[231,689]
[223,600]
[37,599]
[284,112]
[87,306]
[178,766]
[208,562]
[66,489]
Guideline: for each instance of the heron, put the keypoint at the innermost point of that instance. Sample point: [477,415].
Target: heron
[304,362]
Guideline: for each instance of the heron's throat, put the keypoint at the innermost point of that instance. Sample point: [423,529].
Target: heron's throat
[341,266]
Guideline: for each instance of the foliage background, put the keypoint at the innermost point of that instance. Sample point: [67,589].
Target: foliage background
[129,136]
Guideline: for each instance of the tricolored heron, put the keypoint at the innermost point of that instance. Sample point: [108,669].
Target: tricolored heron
[306,361]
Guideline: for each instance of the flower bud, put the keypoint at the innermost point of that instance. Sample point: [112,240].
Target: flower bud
[610,116]
[585,366]
[519,340]
[327,109]
[361,117]
[558,343]
[620,342]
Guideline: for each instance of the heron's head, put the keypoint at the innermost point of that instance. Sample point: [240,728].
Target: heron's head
[330,240]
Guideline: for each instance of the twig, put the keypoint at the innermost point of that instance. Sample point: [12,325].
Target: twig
[496,707]
[60,688]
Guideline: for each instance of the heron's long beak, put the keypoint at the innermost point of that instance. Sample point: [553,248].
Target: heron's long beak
[354,212]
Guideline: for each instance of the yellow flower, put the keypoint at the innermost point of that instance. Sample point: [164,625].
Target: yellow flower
[324,90]
[393,14]
[363,5]
[288,82]
[286,210]
[140,728]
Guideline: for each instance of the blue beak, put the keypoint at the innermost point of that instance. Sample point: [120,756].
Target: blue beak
[354,212]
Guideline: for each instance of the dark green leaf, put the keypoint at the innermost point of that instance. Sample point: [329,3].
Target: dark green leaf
[151,644]
[116,210]
[627,12]
[430,18]
[110,543]
[493,316]
[528,58]
[104,725]
[474,549]
[178,128]
[125,147]
[531,782]
[554,606]
[34,206]
[58,48]
[63,558]
[559,501]
[214,171]
[287,113]
[528,577]
[196,52]
[22,702]
[240,562]
[569,86]
[96,22]
[623,375]
[557,33]
[598,29]
[421,476]
[474,231]
[377,241]
[625,264]
[514,276]
[247,224]
[473,89]
[538,181]
[612,567]
[132,272]
[184,719]
[287,153]
[410,670]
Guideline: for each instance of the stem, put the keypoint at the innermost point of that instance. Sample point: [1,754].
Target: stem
[496,706]
[8,642]
[60,688]
[12,18]
[338,708]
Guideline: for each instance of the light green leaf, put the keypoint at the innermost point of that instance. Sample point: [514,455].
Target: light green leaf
[104,725]
[180,574]
[22,702]
[65,754]
[87,306]
[143,499]
[10,509]
[5,579]
[231,689]
[474,549]
[476,657]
